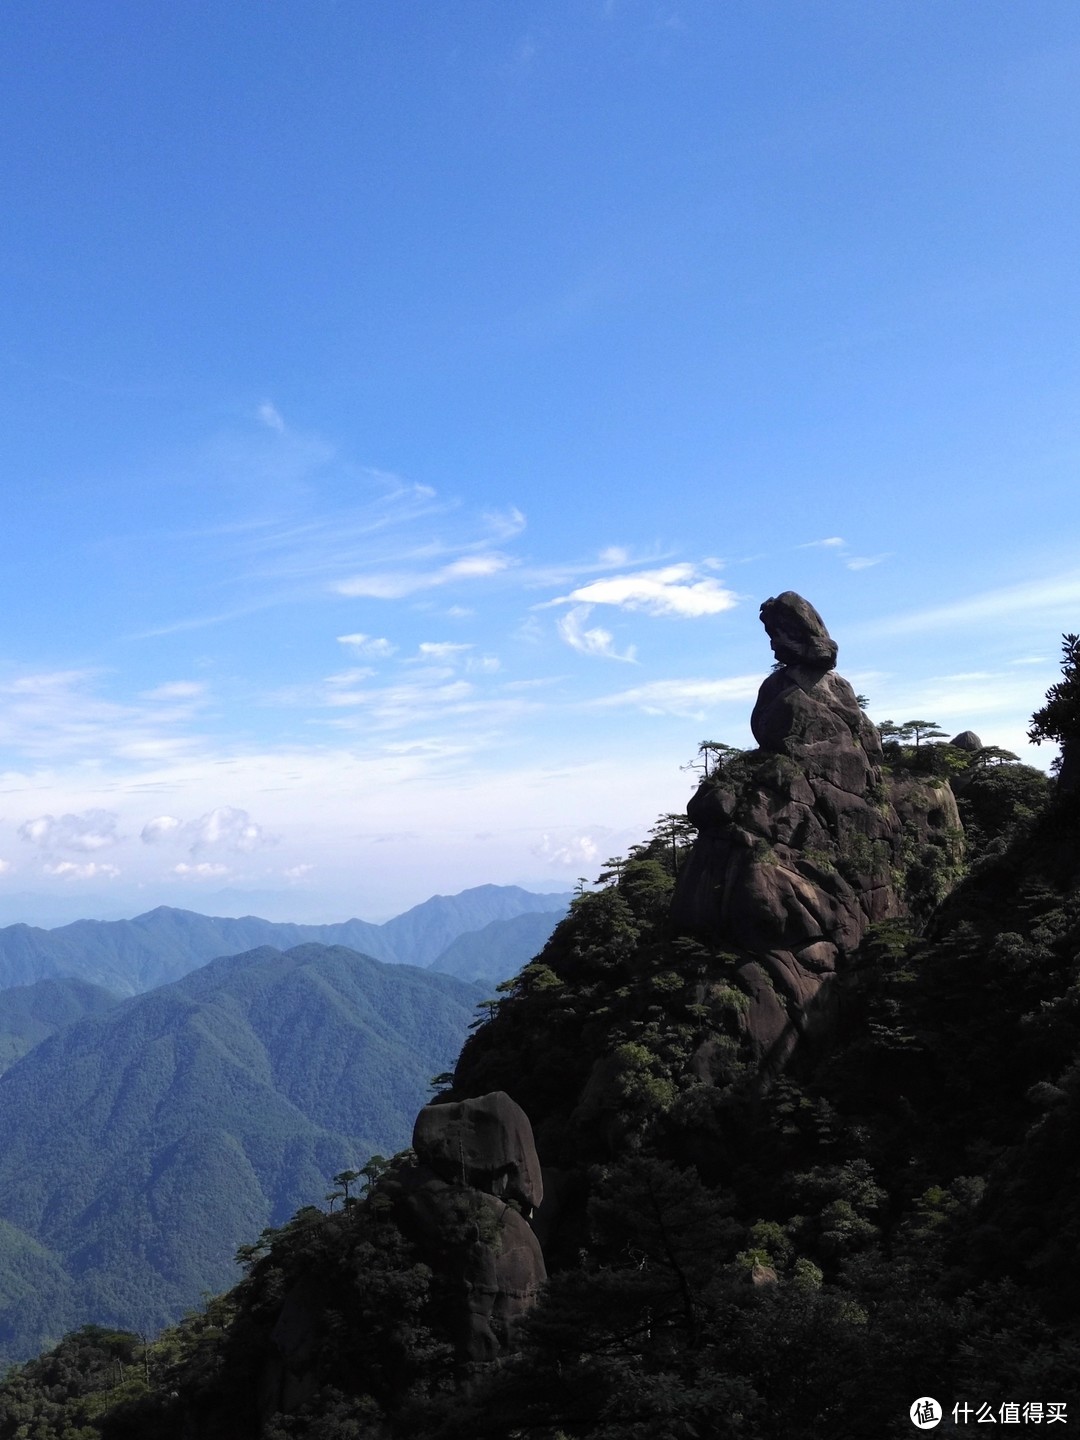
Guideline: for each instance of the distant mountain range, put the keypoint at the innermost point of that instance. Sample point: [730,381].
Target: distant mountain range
[140,1147]
[128,957]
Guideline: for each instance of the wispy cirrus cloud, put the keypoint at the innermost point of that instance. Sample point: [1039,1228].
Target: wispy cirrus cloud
[1052,597]
[839,546]
[176,690]
[361,644]
[63,714]
[399,584]
[692,698]
[594,641]
[679,590]
[270,416]
[441,650]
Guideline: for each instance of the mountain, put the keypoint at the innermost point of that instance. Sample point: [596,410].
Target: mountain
[780,1133]
[132,956]
[421,934]
[31,1013]
[500,949]
[140,1147]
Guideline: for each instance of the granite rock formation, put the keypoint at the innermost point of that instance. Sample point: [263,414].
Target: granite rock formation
[804,842]
[966,740]
[466,1203]
[486,1144]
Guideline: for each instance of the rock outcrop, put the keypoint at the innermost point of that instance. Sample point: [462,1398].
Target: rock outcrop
[466,1203]
[966,740]
[486,1144]
[804,842]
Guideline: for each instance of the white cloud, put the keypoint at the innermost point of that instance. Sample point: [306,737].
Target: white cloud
[202,871]
[440,649]
[227,828]
[271,417]
[5,867]
[672,590]
[833,542]
[176,690]
[68,870]
[575,850]
[92,830]
[50,682]
[297,872]
[483,664]
[682,697]
[368,644]
[58,713]
[396,585]
[504,524]
[400,704]
[349,677]
[597,641]
[865,562]
[160,828]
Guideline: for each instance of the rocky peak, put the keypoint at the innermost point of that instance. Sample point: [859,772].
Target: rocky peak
[803,843]
[797,632]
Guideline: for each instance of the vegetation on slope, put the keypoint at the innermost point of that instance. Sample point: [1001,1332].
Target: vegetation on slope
[140,1148]
[729,1259]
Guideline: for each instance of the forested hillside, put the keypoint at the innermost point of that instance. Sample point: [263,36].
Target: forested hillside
[742,1239]
[140,1147]
[31,1013]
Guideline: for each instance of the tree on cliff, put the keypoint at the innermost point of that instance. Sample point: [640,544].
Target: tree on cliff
[1059,718]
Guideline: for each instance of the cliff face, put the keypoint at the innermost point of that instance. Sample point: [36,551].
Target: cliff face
[803,843]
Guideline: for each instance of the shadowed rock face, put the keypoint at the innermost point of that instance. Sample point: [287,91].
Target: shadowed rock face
[800,842]
[485,1143]
[473,1157]
[459,1202]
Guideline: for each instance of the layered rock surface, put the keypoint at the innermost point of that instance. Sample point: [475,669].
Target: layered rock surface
[803,843]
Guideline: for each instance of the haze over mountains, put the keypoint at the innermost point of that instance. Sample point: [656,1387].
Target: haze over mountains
[177,1082]
[131,956]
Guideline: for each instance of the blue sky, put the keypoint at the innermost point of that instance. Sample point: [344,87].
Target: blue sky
[406,408]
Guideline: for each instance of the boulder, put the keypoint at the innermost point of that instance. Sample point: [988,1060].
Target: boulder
[485,1248]
[486,1143]
[797,632]
[466,1203]
[966,740]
